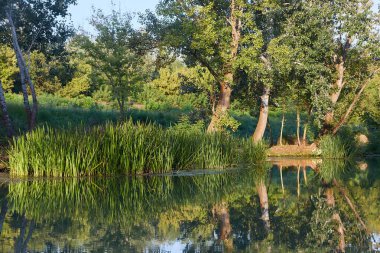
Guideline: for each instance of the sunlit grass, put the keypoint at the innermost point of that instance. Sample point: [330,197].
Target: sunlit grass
[125,148]
[334,147]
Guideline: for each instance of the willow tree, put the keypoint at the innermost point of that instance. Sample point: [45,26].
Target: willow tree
[215,34]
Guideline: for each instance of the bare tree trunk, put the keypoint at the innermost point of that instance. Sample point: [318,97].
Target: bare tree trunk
[282,127]
[298,127]
[263,118]
[264,204]
[25,76]
[4,110]
[222,106]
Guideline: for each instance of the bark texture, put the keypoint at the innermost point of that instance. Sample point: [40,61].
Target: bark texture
[263,118]
[222,106]
[24,76]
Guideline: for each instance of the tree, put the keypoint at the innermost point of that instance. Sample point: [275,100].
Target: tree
[214,34]
[40,71]
[42,25]
[112,53]
[337,46]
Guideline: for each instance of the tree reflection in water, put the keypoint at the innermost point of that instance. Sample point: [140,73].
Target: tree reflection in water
[256,209]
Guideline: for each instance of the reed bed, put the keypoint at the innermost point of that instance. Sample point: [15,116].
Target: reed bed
[124,148]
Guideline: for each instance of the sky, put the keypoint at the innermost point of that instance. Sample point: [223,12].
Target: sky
[81,13]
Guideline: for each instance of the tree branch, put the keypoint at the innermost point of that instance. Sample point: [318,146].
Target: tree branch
[345,117]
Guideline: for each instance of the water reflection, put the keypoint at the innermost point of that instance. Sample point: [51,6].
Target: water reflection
[295,205]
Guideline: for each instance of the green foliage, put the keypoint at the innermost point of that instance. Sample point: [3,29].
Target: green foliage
[8,67]
[40,72]
[41,24]
[112,53]
[178,86]
[119,149]
[322,226]
[82,78]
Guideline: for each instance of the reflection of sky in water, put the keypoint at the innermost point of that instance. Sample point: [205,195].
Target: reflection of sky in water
[176,246]
[376,242]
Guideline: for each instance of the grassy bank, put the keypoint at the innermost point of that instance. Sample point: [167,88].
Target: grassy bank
[126,148]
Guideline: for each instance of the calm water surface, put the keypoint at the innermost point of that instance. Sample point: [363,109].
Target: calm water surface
[288,206]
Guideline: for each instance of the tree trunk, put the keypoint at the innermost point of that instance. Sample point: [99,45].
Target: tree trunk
[330,199]
[304,138]
[282,181]
[263,118]
[340,68]
[298,127]
[222,106]
[298,181]
[304,170]
[19,58]
[121,103]
[3,213]
[345,117]
[21,244]
[225,228]
[4,110]
[264,204]
[282,127]
[24,75]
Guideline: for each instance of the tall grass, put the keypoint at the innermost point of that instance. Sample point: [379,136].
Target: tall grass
[125,148]
[334,147]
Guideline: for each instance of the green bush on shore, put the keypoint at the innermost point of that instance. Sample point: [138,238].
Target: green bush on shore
[125,148]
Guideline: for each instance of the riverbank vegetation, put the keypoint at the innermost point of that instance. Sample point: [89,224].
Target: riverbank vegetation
[283,73]
[127,149]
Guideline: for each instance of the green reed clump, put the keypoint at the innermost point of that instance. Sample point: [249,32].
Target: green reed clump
[334,147]
[124,148]
[254,154]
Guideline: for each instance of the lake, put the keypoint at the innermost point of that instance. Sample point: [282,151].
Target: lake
[284,206]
